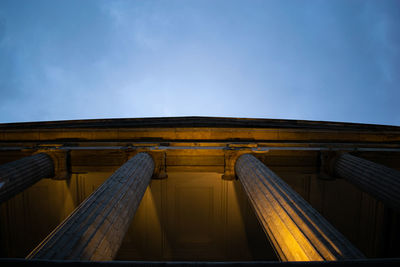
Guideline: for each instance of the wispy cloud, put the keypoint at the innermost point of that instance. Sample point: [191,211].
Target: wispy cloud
[282,59]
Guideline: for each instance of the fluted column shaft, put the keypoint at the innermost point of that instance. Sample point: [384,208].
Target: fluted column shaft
[95,230]
[378,180]
[298,232]
[20,174]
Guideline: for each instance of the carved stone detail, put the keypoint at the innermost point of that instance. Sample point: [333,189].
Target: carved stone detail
[231,155]
[327,164]
[159,158]
[60,162]
[160,167]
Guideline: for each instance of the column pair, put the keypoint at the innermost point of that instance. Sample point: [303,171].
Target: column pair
[297,231]
[95,230]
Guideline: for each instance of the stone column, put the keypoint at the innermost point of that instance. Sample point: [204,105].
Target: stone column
[94,231]
[297,231]
[20,174]
[378,180]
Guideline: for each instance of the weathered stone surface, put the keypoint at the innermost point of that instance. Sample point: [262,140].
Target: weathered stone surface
[94,231]
[297,231]
[20,174]
[378,180]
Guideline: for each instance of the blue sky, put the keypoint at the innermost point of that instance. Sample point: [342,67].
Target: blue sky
[313,60]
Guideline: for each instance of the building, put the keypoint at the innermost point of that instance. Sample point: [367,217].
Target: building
[199,189]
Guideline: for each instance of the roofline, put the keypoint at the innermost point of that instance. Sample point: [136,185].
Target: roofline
[197,121]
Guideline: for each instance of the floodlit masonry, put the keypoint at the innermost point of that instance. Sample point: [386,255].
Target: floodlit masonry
[255,156]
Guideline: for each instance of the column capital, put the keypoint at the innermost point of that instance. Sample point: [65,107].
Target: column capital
[160,163]
[231,154]
[60,159]
[159,158]
[327,161]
